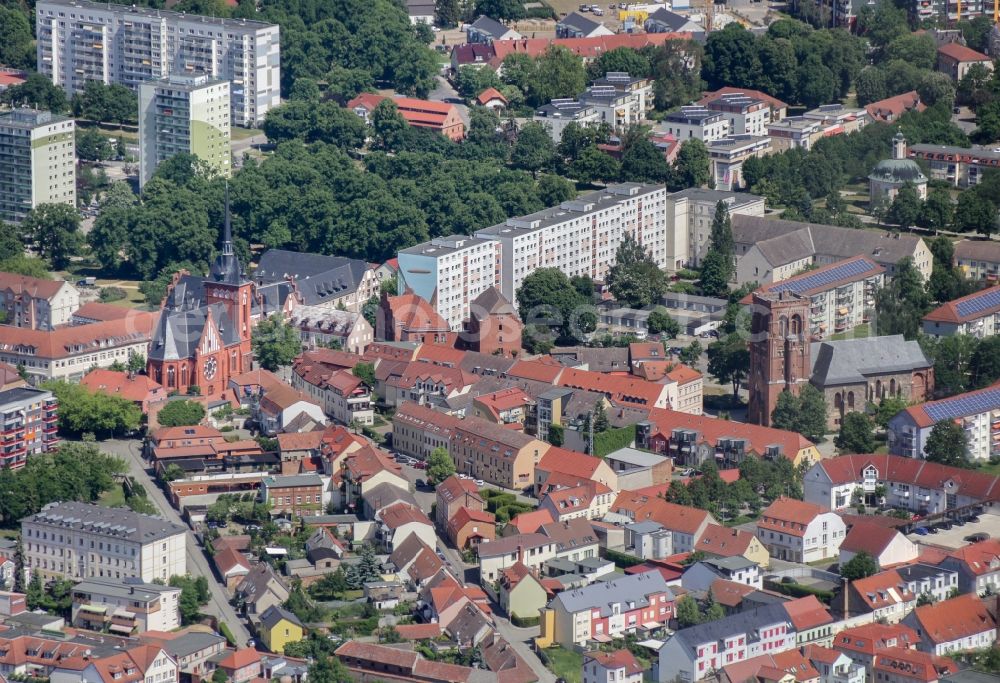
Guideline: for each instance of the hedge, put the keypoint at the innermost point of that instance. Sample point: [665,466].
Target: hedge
[613,439]
[227,634]
[797,590]
[621,559]
[524,622]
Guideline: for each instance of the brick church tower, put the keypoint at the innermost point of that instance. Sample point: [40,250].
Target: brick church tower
[779,351]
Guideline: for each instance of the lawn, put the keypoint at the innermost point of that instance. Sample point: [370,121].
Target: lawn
[565,663]
[858,332]
[113,498]
[237,133]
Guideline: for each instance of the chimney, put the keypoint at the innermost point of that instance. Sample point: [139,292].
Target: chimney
[847,585]
[520,554]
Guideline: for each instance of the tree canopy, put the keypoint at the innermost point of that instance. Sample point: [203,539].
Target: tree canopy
[635,280]
[82,411]
[275,343]
[181,414]
[947,444]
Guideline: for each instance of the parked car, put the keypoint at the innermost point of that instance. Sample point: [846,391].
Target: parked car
[598,12]
[420,465]
[921,531]
[479,482]
[584,8]
[978,537]
[932,530]
[945,525]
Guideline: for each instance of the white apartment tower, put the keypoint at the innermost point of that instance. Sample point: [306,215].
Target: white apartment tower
[450,272]
[581,236]
[183,113]
[80,41]
[37,162]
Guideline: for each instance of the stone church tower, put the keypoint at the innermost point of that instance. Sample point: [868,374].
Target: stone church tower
[779,351]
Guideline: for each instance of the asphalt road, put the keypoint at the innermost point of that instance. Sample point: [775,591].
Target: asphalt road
[197,565]
[443,92]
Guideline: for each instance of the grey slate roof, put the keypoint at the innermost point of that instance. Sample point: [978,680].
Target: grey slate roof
[578,22]
[485,24]
[897,171]
[117,522]
[492,301]
[318,277]
[274,614]
[849,361]
[191,642]
[741,622]
[603,595]
[179,329]
[133,589]
[671,20]
[635,457]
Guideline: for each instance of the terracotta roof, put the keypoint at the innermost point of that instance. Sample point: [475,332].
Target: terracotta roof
[475,430]
[774,102]
[711,429]
[514,574]
[807,612]
[300,441]
[871,638]
[401,514]
[892,108]
[283,397]
[439,355]
[79,339]
[34,287]
[464,516]
[789,516]
[454,488]
[367,462]
[919,666]
[914,471]
[621,389]
[95,310]
[796,663]
[980,558]
[530,522]
[418,631]
[420,372]
[682,374]
[575,464]
[189,433]
[370,652]
[505,399]
[511,544]
[679,518]
[615,660]
[412,313]
[422,417]
[491,94]
[954,619]
[950,312]
[576,498]
[533,369]
[724,541]
[418,558]
[869,538]
[819,653]
[135,388]
[424,113]
[961,53]
[228,559]
[730,593]
[882,590]
[238,659]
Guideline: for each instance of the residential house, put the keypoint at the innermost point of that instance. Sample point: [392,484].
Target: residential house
[29,423]
[813,623]
[440,117]
[665,21]
[799,531]
[747,115]
[35,304]
[578,465]
[638,469]
[960,167]
[956,59]
[522,593]
[138,389]
[588,500]
[834,666]
[977,565]
[399,522]
[607,609]
[415,561]
[884,595]
[532,550]
[727,155]
[863,643]
[232,567]
[619,666]
[960,624]
[574,539]
[470,527]
[125,608]
[911,666]
[453,494]
[295,494]
[134,665]
[977,315]
[495,454]
[685,524]
[282,405]
[696,652]
[417,429]
[384,595]
[891,108]
[241,665]
[908,483]
[884,543]
[700,576]
[504,407]
[719,541]
[492,99]
[938,583]
[648,540]
[486,30]
[696,122]
[259,590]
[365,469]
[278,628]
[321,327]
[561,112]
[342,395]
[779,109]
[978,260]
[575,25]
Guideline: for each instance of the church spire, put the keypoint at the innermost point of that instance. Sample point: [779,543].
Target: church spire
[227,235]
[227,267]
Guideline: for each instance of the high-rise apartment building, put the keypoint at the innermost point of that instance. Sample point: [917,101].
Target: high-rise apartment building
[28,424]
[37,162]
[80,41]
[184,114]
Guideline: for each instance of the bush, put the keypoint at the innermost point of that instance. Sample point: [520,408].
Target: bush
[227,634]
[613,439]
[523,622]
[226,428]
[687,274]
[108,294]
[621,560]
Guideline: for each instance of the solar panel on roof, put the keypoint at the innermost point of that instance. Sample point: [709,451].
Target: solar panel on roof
[821,279]
[986,300]
[962,406]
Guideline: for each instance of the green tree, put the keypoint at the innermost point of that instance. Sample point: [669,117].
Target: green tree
[37,91]
[660,322]
[548,301]
[860,566]
[594,165]
[194,594]
[905,207]
[713,610]
[275,344]
[35,594]
[82,411]
[687,612]
[718,264]
[871,85]
[812,416]
[975,213]
[888,408]
[315,122]
[26,265]
[903,302]
[728,361]
[501,10]
[92,145]
[181,414]
[366,373]
[601,423]
[534,150]
[388,126]
[472,80]
[54,231]
[918,49]
[635,280]
[691,168]
[786,412]
[557,436]
[937,211]
[947,444]
[106,103]
[857,434]
[984,364]
[219,676]
[440,466]
[447,13]
[951,356]
[15,38]
[691,353]
[346,84]
[642,161]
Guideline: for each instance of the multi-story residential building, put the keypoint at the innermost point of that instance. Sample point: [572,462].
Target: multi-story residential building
[728,154]
[978,412]
[81,541]
[696,122]
[496,454]
[863,643]
[794,132]
[293,494]
[559,464]
[619,99]
[747,115]
[453,494]
[607,609]
[978,260]
[417,430]
[559,113]
[977,315]
[834,666]
[956,59]
[769,250]
[580,236]
[690,214]
[886,545]
[841,295]
[398,522]
[37,162]
[960,624]
[37,304]
[126,608]
[977,565]
[493,327]
[779,109]
[28,424]
[911,666]
[693,653]
[937,582]
[329,282]
[840,119]
[80,41]
[685,524]
[619,666]
[798,531]
[909,483]
[319,326]
[441,117]
[720,541]
[450,272]
[884,596]
[575,25]
[184,114]
[344,396]
[531,550]
[960,166]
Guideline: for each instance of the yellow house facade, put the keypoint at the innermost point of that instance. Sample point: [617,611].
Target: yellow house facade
[279,627]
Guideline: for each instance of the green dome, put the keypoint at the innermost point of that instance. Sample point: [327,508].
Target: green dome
[898,171]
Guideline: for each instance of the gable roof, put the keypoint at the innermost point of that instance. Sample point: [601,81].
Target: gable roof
[34,287]
[807,612]
[711,429]
[979,558]
[401,514]
[919,666]
[724,541]
[846,469]
[789,516]
[575,464]
[892,108]
[490,26]
[274,614]
[531,521]
[133,388]
[961,53]
[849,361]
[742,622]
[954,619]
[882,590]
[679,518]
[971,307]
[603,595]
[870,638]
[578,22]
[869,538]
[71,340]
[618,659]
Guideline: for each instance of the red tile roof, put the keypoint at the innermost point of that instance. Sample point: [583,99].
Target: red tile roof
[95,310]
[228,559]
[419,631]
[868,537]
[135,388]
[711,429]
[730,593]
[724,541]
[640,507]
[490,94]
[79,339]
[980,558]
[238,659]
[575,464]
[34,287]
[807,612]
[465,516]
[882,590]
[948,312]
[615,660]
[300,441]
[954,619]
[423,113]
[892,108]
[621,389]
[930,475]
[796,663]
[505,399]
[789,516]
[961,53]
[400,514]
[871,638]
[531,522]
[919,666]
[535,370]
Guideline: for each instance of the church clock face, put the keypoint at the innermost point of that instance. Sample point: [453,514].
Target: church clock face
[211,366]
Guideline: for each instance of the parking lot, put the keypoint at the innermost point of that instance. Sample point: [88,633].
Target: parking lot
[955,537]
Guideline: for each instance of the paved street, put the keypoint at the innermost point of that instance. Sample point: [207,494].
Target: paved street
[218,605]
[445,93]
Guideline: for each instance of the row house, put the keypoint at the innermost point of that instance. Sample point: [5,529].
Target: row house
[318,326]
[885,596]
[937,582]
[909,483]
[294,494]
[959,624]
[562,465]
[532,550]
[694,653]
[608,609]
[958,166]
[911,666]
[798,531]
[427,384]
[495,454]
[453,494]
[418,430]
[343,396]
[588,500]
[864,643]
